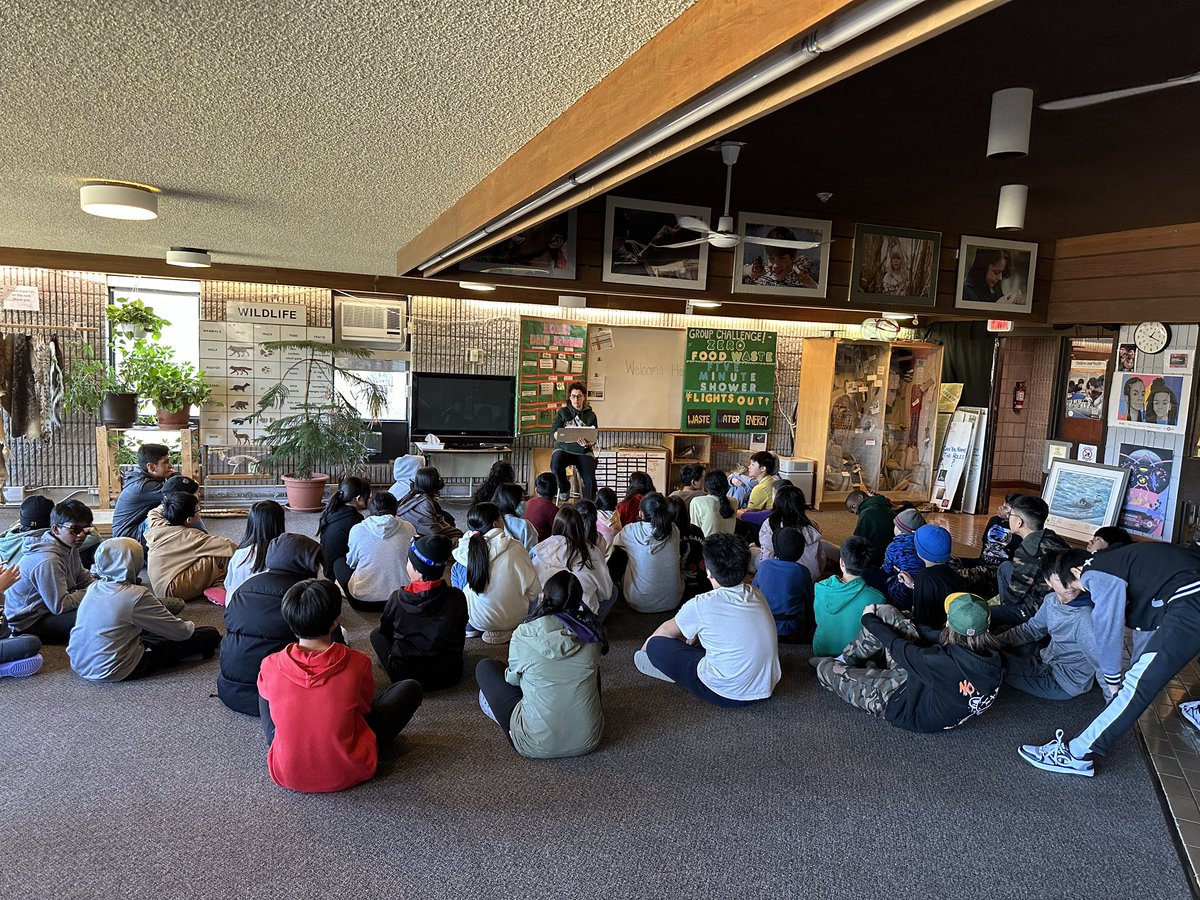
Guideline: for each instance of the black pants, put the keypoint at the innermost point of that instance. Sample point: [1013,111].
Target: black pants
[53,629]
[390,712]
[501,696]
[162,652]
[585,465]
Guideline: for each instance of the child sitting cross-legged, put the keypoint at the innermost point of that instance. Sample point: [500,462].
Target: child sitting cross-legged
[901,556]
[714,513]
[608,520]
[122,631]
[183,561]
[377,555]
[541,509]
[915,677]
[265,521]
[691,549]
[423,629]
[935,580]
[787,586]
[839,600]
[548,698]
[652,580]
[721,647]
[323,729]
[499,579]
[640,484]
[568,548]
[20,655]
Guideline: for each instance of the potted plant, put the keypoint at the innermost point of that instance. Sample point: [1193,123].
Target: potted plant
[322,424]
[91,386]
[130,321]
[173,387]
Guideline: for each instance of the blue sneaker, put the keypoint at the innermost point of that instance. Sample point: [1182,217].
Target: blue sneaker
[1055,756]
[22,668]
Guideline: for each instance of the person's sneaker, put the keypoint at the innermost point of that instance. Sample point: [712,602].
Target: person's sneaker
[564,498]
[1055,757]
[497,637]
[641,659]
[1191,712]
[22,668]
[474,633]
[815,661]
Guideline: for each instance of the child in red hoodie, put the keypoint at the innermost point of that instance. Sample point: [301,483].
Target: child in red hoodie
[315,700]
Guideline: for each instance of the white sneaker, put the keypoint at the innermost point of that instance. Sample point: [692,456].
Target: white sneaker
[1190,712]
[1054,756]
[641,659]
[497,637]
[474,633]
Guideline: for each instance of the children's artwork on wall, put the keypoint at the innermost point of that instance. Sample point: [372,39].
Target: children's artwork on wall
[894,266]
[544,250]
[1149,490]
[1053,450]
[995,275]
[642,241]
[764,265]
[1085,389]
[1083,497]
[1153,402]
[1126,357]
[1086,453]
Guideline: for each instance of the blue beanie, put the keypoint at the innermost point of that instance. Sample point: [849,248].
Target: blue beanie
[932,543]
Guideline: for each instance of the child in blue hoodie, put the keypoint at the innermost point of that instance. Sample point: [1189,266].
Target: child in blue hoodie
[839,601]
[901,556]
[788,587]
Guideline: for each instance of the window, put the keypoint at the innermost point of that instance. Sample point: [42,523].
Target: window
[176,301]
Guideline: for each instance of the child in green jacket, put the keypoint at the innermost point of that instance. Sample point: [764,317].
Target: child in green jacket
[839,600]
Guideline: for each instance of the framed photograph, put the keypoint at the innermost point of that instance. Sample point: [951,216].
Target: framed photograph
[1086,452]
[1083,497]
[1179,362]
[1084,394]
[995,275]
[1054,450]
[894,266]
[636,238]
[1149,492]
[544,250]
[1150,401]
[760,267]
[1126,357]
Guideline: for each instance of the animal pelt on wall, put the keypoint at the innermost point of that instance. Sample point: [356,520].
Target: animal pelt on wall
[30,393]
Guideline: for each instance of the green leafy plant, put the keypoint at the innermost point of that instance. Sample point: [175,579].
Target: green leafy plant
[159,378]
[88,379]
[132,320]
[325,424]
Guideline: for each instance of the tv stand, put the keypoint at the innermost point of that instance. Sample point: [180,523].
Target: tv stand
[472,463]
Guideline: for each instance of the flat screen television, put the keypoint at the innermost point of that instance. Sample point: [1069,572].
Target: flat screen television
[464,410]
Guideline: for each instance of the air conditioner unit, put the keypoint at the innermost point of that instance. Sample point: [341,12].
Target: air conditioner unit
[371,322]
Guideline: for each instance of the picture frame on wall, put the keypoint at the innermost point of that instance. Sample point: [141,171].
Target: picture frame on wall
[1086,452]
[894,266]
[1148,494]
[760,267]
[995,275]
[1053,450]
[1150,401]
[544,250]
[1083,497]
[636,238]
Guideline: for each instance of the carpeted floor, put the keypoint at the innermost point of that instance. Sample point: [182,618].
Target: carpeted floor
[154,788]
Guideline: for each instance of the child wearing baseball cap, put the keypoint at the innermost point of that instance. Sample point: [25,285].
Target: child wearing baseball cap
[920,679]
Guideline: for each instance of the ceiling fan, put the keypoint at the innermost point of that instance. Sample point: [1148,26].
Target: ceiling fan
[1106,96]
[723,237]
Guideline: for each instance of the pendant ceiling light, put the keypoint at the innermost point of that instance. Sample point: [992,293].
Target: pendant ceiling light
[1008,133]
[1010,211]
[119,200]
[190,257]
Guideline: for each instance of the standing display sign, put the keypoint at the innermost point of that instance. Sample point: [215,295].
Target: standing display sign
[553,354]
[728,380]
[960,441]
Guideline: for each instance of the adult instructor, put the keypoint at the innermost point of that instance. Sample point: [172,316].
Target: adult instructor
[575,453]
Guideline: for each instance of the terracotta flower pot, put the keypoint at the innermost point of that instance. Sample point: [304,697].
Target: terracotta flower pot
[179,418]
[119,410]
[306,495]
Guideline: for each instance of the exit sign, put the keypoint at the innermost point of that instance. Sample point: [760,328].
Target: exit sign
[1000,325]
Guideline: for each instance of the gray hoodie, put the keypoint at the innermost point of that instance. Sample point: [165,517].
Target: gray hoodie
[1071,654]
[106,642]
[53,581]
[379,557]
[653,580]
[404,470]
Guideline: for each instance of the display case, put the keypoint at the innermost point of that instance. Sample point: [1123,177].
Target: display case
[685,449]
[867,414]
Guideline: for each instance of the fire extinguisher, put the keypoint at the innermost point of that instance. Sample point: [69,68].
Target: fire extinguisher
[1019,396]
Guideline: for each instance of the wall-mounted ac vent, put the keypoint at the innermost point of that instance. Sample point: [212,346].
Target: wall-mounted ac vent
[371,322]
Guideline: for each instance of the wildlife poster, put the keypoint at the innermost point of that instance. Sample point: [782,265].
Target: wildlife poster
[1149,491]
[240,368]
[1083,497]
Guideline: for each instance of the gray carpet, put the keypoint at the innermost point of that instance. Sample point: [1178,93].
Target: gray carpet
[154,788]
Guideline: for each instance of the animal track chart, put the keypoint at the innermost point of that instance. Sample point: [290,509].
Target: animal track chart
[240,369]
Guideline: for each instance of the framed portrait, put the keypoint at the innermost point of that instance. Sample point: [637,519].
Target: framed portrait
[641,239]
[1126,357]
[1151,476]
[1150,401]
[763,267]
[1053,450]
[544,250]
[995,275]
[894,266]
[1083,497]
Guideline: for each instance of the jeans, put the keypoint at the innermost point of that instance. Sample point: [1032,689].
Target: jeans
[21,647]
[585,465]
[1025,672]
[678,661]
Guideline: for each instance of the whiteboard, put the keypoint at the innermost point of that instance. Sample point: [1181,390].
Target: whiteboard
[639,372]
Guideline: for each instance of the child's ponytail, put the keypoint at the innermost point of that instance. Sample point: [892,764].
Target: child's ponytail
[481,518]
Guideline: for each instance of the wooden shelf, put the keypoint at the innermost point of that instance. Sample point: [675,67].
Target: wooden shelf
[109,479]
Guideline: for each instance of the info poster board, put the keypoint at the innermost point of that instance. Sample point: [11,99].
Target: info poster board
[635,377]
[957,449]
[974,470]
[728,380]
[553,354]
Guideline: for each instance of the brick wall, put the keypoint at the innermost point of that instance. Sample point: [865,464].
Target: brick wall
[1021,434]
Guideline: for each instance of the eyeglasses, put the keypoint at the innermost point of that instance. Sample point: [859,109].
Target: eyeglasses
[79,529]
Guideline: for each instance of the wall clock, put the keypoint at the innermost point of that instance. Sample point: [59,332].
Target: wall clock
[1152,337]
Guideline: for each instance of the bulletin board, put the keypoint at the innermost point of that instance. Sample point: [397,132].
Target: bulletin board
[553,354]
[635,377]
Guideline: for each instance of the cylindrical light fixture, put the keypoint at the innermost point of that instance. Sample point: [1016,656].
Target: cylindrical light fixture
[476,286]
[191,257]
[1010,211]
[1008,133]
[118,201]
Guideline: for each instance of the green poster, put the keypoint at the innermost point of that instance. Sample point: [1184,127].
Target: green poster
[728,380]
[552,355]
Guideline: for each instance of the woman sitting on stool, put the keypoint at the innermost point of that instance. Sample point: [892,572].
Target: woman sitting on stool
[576,414]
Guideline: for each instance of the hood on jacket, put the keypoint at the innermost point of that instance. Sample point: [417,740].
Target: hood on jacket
[554,636]
[308,669]
[553,551]
[48,544]
[836,594]
[404,470]
[119,560]
[875,502]
[137,480]
[498,541]
[295,553]
[383,527]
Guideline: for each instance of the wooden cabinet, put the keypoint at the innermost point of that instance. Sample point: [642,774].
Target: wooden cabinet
[685,449]
[867,414]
